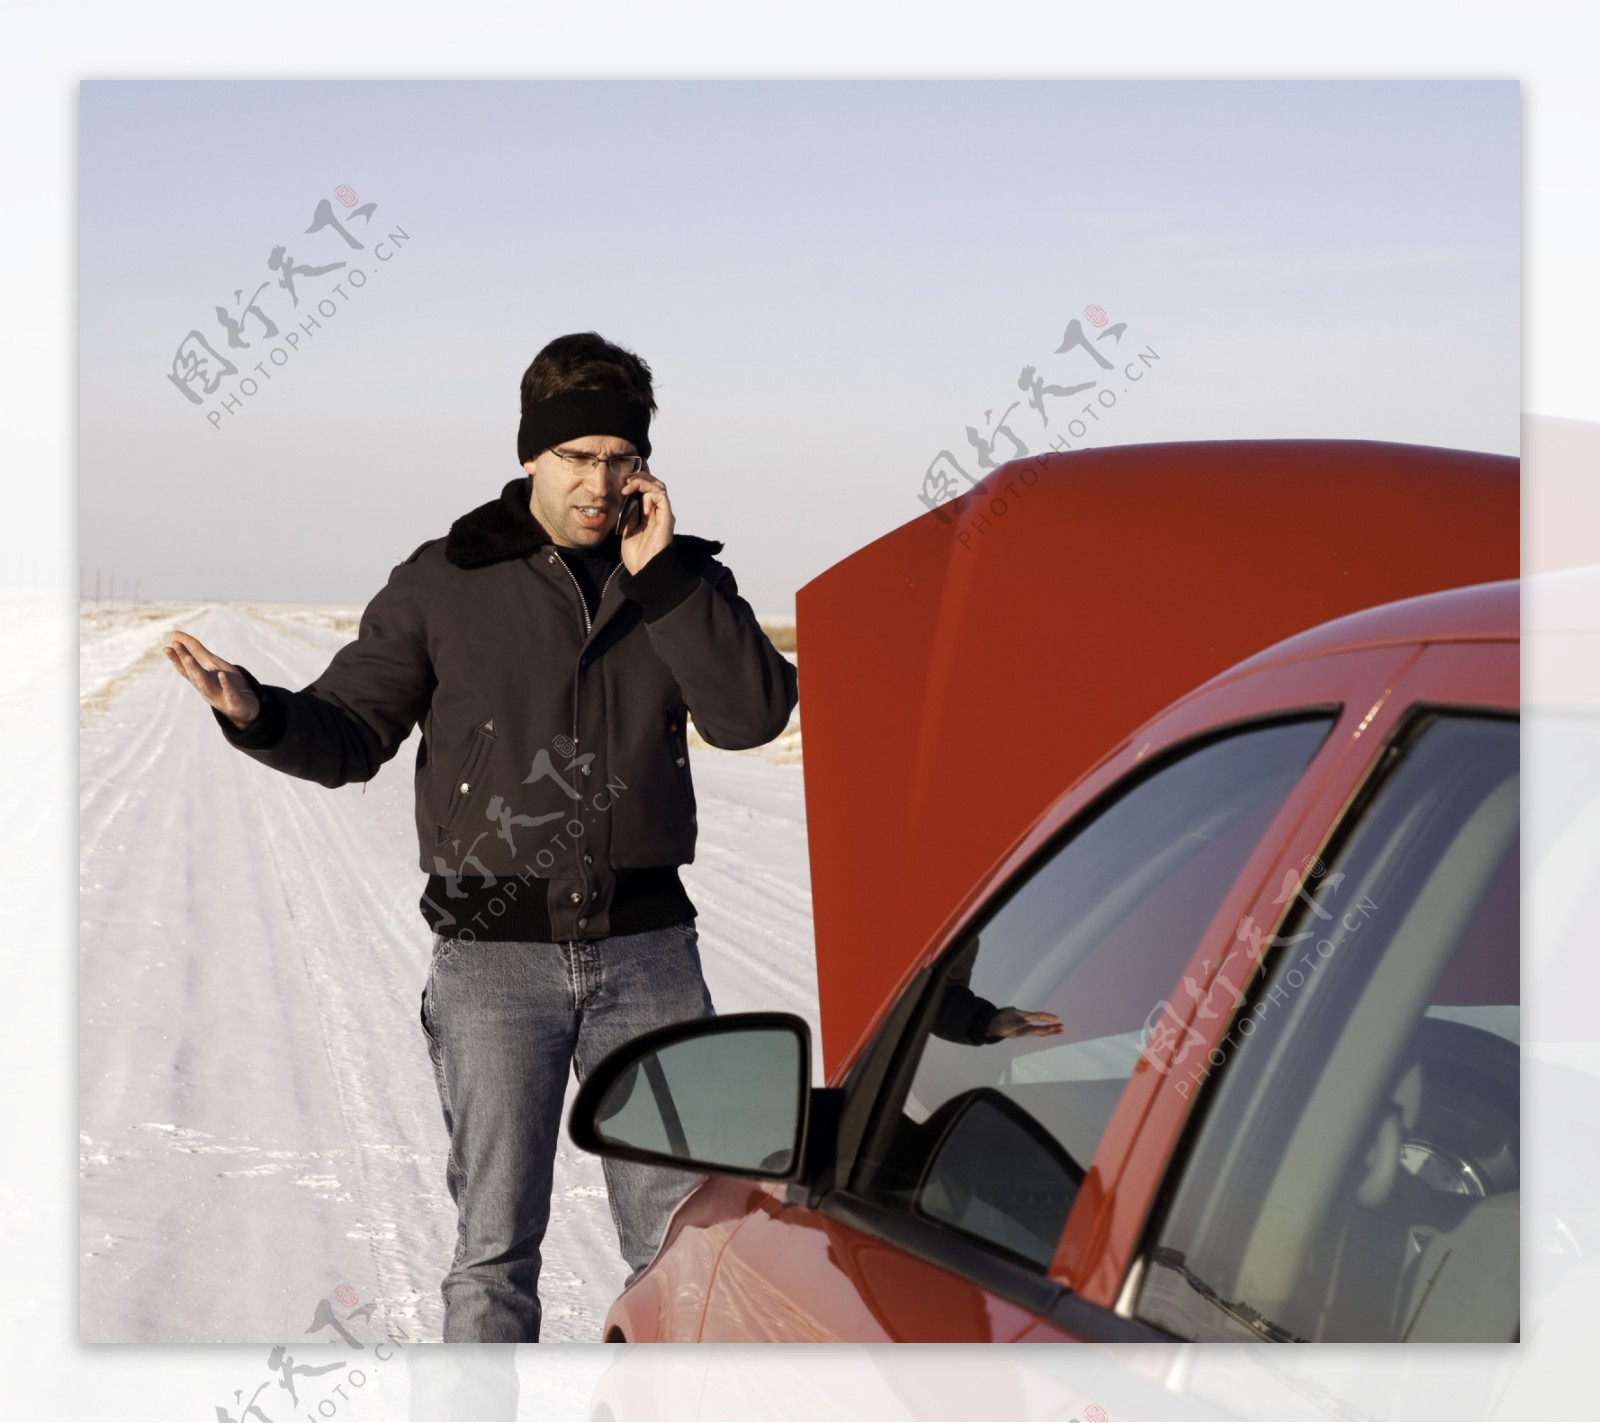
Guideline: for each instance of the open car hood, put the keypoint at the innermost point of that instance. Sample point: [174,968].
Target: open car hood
[964,670]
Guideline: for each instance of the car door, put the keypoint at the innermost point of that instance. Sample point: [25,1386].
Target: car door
[969,1125]
[1339,1156]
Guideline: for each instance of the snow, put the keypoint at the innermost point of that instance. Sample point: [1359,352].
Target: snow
[258,1119]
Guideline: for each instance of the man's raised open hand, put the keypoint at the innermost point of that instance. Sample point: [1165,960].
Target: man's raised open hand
[215,678]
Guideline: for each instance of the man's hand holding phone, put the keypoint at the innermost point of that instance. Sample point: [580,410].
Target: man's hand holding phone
[645,521]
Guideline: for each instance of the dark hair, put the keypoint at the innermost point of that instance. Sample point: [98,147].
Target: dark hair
[585,360]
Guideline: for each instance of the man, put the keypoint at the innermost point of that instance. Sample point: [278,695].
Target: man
[551,660]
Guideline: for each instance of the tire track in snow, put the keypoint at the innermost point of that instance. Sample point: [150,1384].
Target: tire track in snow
[289,924]
[581,1268]
[105,793]
[360,968]
[189,1015]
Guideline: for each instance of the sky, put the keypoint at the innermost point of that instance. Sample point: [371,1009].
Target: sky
[831,280]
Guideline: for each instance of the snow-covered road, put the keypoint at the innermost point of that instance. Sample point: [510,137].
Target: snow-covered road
[258,1121]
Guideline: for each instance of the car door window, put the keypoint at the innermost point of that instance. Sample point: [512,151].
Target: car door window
[1355,1167]
[1033,1022]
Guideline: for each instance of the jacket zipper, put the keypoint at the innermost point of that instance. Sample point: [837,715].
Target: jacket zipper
[471,766]
[583,606]
[588,628]
[678,749]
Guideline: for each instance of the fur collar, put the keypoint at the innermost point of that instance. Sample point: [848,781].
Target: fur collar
[506,528]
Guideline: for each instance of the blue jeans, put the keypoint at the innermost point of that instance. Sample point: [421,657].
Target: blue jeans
[503,1022]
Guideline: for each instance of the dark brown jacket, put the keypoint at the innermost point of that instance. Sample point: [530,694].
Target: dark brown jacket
[552,749]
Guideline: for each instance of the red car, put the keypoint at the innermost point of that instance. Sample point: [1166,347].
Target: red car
[1145,1024]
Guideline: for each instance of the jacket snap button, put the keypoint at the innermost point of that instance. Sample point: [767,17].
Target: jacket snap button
[466,786]
[575,897]
[680,760]
[586,770]
[594,893]
[588,859]
[583,923]
[551,559]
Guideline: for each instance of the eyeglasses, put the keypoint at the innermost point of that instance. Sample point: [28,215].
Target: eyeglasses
[582,464]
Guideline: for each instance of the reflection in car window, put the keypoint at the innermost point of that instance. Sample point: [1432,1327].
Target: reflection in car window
[1035,1019]
[1355,1176]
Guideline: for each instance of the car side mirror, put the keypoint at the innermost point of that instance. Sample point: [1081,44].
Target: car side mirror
[996,1173]
[727,1096]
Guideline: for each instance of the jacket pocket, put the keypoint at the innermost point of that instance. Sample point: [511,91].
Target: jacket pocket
[678,750]
[465,787]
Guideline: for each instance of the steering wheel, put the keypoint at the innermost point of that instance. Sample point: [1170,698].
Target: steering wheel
[1461,1133]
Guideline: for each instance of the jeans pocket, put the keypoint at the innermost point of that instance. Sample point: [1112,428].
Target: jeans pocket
[688,937]
[436,1061]
[427,1030]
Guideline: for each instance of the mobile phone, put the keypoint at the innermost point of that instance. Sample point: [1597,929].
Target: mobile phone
[629,505]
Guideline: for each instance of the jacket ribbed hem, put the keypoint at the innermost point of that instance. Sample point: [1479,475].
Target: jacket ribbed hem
[643,899]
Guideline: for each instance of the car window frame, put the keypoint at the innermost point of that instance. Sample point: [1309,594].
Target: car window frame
[880,1075]
[1411,721]
[1467,669]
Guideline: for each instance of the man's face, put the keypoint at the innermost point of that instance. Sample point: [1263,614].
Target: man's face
[562,490]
